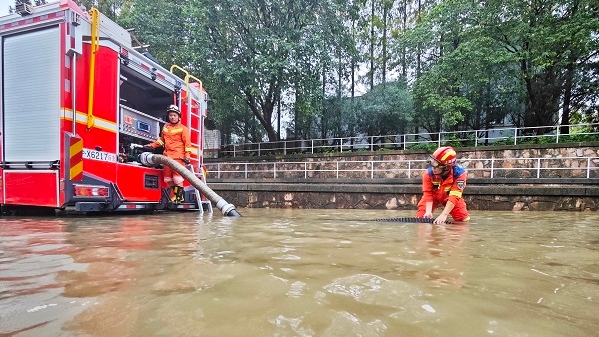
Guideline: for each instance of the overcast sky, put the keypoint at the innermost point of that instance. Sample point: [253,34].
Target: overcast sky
[4,6]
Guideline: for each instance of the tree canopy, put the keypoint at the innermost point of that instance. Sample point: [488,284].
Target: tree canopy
[333,68]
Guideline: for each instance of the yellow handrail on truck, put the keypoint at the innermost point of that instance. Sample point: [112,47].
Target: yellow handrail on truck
[198,80]
[174,66]
[92,66]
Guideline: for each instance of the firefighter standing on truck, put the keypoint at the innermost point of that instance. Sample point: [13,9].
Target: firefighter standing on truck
[177,146]
[442,184]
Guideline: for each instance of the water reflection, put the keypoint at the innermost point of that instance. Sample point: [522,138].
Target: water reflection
[299,273]
[441,247]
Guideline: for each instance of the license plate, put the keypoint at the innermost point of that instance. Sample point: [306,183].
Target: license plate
[99,155]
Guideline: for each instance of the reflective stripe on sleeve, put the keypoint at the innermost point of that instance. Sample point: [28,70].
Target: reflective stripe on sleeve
[457,194]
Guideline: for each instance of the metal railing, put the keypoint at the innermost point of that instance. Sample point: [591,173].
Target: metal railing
[492,168]
[475,138]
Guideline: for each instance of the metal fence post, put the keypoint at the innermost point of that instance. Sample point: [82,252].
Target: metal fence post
[538,168]
[515,136]
[492,166]
[246,170]
[337,173]
[371,169]
[274,170]
[305,170]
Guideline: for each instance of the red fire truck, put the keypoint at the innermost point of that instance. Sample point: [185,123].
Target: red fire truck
[77,101]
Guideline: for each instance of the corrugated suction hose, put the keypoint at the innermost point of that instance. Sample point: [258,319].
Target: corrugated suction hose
[150,159]
[409,220]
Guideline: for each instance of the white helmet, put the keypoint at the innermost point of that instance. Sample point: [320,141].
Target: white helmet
[173,108]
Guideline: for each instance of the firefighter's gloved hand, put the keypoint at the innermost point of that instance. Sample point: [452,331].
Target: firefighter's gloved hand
[147,148]
[186,161]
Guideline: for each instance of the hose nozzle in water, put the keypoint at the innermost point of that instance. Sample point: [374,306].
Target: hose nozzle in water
[150,159]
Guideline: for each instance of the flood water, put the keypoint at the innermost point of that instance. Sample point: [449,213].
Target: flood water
[279,272]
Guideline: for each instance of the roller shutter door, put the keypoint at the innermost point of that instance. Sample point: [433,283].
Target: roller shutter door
[31,90]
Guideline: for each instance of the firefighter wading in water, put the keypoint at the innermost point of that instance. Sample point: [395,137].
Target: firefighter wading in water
[175,139]
[442,184]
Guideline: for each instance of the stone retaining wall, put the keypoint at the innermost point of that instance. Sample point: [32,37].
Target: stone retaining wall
[504,162]
[270,194]
[563,185]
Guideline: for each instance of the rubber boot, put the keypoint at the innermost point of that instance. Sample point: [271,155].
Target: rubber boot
[178,192]
[173,194]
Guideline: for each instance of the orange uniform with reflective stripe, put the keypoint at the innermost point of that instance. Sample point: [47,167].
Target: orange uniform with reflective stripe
[175,139]
[177,146]
[437,190]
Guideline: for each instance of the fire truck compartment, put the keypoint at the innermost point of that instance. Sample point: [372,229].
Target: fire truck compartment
[142,109]
[34,188]
[31,91]
[142,94]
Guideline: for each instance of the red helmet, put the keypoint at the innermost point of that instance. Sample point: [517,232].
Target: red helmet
[445,155]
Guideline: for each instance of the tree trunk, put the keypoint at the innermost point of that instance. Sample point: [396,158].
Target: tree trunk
[564,128]
[371,44]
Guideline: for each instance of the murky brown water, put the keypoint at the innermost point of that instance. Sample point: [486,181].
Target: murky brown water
[300,273]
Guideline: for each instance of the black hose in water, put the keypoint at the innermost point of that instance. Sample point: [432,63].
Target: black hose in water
[150,159]
[409,220]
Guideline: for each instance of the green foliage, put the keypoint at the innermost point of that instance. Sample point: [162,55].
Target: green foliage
[385,110]
[462,64]
[429,147]
[110,8]
[262,50]
[507,60]
[456,141]
[574,138]
[161,24]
